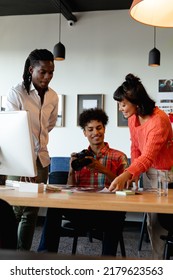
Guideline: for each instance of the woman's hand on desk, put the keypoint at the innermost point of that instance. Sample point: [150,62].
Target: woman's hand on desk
[121,182]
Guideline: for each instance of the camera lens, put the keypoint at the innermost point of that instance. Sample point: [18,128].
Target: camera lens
[78,164]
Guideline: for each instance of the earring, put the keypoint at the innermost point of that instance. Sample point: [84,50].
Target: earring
[30,78]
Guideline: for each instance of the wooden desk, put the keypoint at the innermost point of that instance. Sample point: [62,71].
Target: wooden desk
[145,202]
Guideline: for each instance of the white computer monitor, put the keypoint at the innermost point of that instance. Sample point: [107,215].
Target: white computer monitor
[17,156]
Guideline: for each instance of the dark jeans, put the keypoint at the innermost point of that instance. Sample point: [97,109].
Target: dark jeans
[109,223]
[27,216]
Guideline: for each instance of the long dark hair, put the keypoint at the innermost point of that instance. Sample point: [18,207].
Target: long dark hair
[32,60]
[133,90]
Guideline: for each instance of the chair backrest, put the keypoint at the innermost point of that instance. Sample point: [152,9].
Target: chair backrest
[59,164]
[58,177]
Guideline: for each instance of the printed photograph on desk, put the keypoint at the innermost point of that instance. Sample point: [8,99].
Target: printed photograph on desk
[125,192]
[87,101]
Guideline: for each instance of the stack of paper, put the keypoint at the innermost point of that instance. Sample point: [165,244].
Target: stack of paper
[125,192]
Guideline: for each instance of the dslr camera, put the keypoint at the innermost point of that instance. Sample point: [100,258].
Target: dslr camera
[81,160]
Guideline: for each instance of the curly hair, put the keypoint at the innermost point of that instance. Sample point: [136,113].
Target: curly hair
[33,59]
[92,114]
[133,90]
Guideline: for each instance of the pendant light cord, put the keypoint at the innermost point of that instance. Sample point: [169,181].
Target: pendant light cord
[154,36]
[60,22]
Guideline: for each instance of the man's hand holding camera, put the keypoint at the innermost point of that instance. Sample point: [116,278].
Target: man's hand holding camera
[95,165]
[86,158]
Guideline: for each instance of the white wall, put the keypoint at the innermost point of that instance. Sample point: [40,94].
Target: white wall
[101,48]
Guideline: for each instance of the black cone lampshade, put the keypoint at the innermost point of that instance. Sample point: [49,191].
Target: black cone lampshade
[154,57]
[59,51]
[154,54]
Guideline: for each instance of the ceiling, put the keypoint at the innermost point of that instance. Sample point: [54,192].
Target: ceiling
[68,7]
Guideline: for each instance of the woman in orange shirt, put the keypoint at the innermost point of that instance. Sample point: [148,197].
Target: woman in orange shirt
[151,146]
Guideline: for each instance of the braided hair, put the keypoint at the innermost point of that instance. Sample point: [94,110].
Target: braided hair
[133,90]
[33,59]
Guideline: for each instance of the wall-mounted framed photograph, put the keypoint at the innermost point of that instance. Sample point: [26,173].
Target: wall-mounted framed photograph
[87,101]
[3,99]
[121,120]
[61,111]
[166,85]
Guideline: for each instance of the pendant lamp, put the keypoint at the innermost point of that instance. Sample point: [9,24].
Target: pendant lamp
[153,12]
[154,54]
[59,49]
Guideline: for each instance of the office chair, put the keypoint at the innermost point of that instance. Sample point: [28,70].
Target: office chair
[59,164]
[143,231]
[58,177]
[166,221]
[8,228]
[67,228]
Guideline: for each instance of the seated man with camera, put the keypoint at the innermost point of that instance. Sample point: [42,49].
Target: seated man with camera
[95,167]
